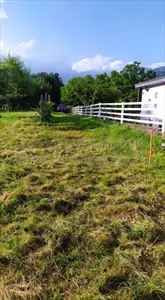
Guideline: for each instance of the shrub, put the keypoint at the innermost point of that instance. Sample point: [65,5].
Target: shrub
[45,110]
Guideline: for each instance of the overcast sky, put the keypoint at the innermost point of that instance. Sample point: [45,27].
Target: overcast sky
[85,36]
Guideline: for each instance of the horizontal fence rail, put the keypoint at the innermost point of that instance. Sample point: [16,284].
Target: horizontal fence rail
[123,112]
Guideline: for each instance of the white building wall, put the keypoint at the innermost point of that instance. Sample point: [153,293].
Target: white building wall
[153,99]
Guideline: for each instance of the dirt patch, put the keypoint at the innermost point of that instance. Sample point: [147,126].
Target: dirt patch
[110,242]
[118,179]
[113,283]
[66,206]
[63,207]
[35,243]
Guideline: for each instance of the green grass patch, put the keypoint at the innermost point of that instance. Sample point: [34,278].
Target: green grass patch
[81,211]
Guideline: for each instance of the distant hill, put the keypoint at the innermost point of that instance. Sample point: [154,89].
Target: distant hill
[160,71]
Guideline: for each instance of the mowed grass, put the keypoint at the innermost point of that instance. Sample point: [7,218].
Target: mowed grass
[81,211]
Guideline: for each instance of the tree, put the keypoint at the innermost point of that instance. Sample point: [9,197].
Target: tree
[104,91]
[132,74]
[19,89]
[114,87]
[49,84]
[56,83]
[79,91]
[15,83]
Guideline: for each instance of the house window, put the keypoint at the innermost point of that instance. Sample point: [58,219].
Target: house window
[156,95]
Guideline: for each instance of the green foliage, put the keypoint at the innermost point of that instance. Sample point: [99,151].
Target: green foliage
[79,90]
[117,86]
[45,110]
[48,85]
[21,90]
[16,88]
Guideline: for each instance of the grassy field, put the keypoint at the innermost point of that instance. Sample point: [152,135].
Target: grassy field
[81,211]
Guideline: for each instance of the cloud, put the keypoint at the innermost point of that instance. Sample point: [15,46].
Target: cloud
[97,63]
[3,14]
[23,48]
[157,65]
[116,64]
[3,49]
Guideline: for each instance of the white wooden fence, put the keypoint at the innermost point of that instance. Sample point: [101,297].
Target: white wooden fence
[123,112]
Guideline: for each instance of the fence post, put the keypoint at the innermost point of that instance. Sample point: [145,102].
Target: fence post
[163,125]
[122,113]
[99,110]
[91,110]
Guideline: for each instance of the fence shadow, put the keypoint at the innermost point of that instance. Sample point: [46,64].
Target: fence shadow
[76,122]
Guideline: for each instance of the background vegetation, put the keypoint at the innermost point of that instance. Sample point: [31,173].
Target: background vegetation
[114,87]
[22,90]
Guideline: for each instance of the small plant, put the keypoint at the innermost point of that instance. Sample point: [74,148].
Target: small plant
[45,110]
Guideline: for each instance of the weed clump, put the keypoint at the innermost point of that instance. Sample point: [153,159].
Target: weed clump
[45,110]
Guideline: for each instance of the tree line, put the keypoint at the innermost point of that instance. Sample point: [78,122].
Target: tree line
[114,87]
[22,90]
